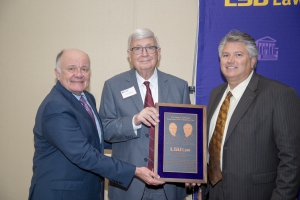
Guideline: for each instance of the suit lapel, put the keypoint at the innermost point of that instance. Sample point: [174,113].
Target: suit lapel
[78,106]
[130,81]
[163,87]
[216,100]
[93,106]
[243,105]
[72,100]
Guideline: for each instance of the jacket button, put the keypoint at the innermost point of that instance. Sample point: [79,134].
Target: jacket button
[145,159]
[147,135]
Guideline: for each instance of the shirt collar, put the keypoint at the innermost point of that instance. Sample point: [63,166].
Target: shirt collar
[152,79]
[78,97]
[238,91]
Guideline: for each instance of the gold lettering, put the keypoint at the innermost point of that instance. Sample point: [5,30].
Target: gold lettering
[257,3]
[227,3]
[249,3]
[174,149]
[296,2]
[275,3]
[286,2]
[179,149]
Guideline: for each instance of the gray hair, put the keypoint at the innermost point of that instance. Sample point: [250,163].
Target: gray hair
[58,57]
[239,36]
[142,33]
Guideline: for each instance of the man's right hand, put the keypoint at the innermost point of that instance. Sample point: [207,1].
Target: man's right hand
[148,176]
[148,116]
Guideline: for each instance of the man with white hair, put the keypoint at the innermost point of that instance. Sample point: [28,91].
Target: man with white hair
[126,121]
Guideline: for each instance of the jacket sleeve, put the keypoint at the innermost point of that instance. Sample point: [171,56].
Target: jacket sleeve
[67,133]
[287,137]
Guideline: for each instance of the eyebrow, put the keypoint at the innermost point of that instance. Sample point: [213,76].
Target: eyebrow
[149,44]
[233,52]
[72,65]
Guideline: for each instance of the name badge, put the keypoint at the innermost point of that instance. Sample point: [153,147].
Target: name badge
[128,92]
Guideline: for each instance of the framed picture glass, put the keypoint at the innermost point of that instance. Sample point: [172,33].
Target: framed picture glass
[180,143]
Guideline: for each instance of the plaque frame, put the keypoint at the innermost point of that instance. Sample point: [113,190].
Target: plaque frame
[197,115]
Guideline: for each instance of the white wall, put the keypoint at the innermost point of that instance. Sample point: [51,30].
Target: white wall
[32,32]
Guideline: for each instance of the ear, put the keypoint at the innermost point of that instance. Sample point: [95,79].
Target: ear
[57,74]
[253,60]
[158,53]
[129,55]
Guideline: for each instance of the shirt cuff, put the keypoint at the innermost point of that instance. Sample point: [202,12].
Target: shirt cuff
[135,127]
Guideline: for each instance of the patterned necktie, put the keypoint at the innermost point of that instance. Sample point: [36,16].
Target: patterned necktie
[149,103]
[87,108]
[214,168]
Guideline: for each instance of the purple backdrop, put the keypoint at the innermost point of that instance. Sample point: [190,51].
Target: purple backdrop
[274,24]
[275,28]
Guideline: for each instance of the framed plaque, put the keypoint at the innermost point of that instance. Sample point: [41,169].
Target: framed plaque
[180,143]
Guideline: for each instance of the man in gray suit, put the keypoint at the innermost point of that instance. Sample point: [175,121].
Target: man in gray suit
[260,154]
[126,121]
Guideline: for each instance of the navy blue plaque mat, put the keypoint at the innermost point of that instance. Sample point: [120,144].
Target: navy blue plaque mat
[180,143]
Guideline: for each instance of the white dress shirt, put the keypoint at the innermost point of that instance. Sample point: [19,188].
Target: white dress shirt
[154,91]
[237,93]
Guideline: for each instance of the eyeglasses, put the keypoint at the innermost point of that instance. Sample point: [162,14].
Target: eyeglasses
[139,50]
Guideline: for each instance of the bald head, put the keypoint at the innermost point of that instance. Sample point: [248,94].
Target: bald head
[73,70]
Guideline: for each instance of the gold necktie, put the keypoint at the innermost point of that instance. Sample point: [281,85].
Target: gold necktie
[214,168]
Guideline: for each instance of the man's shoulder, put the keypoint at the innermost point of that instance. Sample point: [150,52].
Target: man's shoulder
[89,95]
[171,77]
[54,96]
[120,76]
[271,82]
[222,86]
[52,102]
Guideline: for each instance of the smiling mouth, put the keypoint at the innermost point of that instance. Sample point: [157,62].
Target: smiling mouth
[77,81]
[144,60]
[231,67]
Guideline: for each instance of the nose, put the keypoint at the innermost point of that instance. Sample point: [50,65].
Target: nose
[144,51]
[230,59]
[78,73]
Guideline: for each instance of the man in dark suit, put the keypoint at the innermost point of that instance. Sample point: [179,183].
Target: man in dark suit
[260,154]
[126,121]
[68,161]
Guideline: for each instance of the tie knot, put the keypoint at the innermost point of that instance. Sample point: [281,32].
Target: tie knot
[229,95]
[147,83]
[82,99]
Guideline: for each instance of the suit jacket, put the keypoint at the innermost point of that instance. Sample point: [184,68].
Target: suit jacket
[117,113]
[261,154]
[68,161]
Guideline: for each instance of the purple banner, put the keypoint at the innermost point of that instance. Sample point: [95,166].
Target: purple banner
[274,24]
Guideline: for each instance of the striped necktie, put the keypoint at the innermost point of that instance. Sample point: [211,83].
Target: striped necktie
[149,103]
[214,168]
[87,108]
